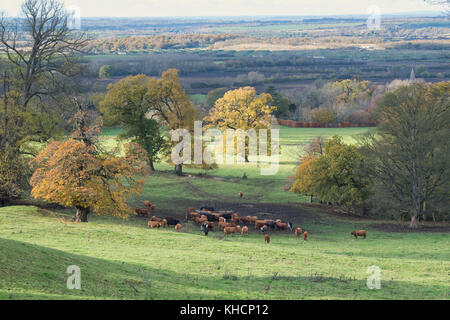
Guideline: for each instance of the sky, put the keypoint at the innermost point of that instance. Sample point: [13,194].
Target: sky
[155,8]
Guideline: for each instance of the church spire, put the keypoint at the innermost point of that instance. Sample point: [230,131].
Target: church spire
[412,76]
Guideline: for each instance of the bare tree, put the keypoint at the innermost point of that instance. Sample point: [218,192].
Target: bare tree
[40,45]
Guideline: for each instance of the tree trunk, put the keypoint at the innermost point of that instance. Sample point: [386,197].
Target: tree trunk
[152,168]
[81,215]
[179,169]
[246,158]
[310,198]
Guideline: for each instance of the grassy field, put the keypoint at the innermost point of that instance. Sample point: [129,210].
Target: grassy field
[122,259]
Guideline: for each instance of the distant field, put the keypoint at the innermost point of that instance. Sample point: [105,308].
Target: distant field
[287,27]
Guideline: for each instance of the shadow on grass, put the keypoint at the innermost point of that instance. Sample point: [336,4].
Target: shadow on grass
[30,271]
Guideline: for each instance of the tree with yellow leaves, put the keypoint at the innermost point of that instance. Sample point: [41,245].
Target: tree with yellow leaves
[304,179]
[242,109]
[76,173]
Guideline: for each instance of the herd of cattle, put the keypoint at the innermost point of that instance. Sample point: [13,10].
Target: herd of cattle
[231,223]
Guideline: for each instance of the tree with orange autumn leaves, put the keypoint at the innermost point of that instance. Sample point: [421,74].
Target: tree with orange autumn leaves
[77,173]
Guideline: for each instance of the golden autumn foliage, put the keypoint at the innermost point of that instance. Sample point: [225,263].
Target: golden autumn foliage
[242,109]
[304,180]
[75,174]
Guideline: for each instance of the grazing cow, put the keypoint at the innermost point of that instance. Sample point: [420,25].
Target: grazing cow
[141,212]
[231,230]
[264,229]
[245,219]
[153,218]
[298,232]
[244,230]
[281,226]
[226,224]
[147,203]
[240,194]
[252,219]
[358,233]
[154,224]
[164,223]
[153,207]
[305,235]
[234,217]
[177,227]
[267,238]
[206,209]
[172,222]
[205,228]
[260,223]
[200,220]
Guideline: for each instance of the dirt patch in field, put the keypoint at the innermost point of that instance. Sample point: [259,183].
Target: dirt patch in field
[286,212]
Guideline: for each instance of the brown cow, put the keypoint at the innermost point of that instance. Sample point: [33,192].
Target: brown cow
[240,194]
[177,227]
[164,223]
[200,220]
[153,218]
[244,230]
[267,238]
[141,212]
[231,230]
[305,235]
[147,203]
[260,223]
[281,225]
[360,233]
[154,224]
[298,232]
[234,217]
[226,224]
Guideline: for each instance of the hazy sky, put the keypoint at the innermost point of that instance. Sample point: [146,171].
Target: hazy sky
[141,8]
